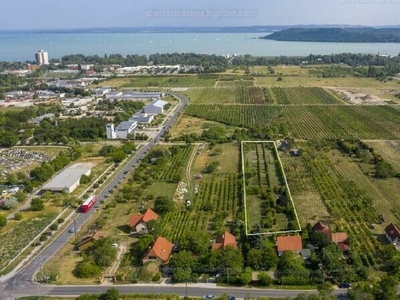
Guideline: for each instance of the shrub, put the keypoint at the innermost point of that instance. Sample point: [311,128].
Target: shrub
[87,270]
[3,221]
[18,216]
[43,238]
[37,204]
[60,220]
[156,277]
[53,227]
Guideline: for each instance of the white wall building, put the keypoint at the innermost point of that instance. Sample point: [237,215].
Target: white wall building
[155,107]
[42,57]
[111,131]
[125,128]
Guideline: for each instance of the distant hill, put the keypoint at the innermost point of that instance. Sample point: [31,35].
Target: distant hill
[337,35]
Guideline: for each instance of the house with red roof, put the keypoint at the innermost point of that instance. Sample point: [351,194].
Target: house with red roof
[160,251]
[224,240]
[138,222]
[339,238]
[289,243]
[392,233]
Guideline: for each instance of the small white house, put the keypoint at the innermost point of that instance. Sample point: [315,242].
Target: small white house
[14,190]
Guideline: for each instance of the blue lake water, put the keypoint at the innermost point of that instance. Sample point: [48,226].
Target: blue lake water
[22,46]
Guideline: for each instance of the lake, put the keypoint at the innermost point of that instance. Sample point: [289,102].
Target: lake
[22,46]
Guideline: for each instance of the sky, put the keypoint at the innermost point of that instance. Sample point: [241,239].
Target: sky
[65,14]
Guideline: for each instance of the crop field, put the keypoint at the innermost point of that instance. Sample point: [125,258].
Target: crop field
[234,83]
[173,169]
[228,95]
[15,239]
[350,207]
[311,121]
[212,206]
[268,203]
[302,95]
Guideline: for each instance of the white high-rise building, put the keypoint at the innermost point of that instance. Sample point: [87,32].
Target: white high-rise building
[42,57]
[110,131]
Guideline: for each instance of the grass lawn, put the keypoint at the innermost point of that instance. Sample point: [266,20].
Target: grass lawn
[383,193]
[389,150]
[168,81]
[235,83]
[187,125]
[162,189]
[253,207]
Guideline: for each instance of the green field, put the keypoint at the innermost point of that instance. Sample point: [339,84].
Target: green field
[268,202]
[168,81]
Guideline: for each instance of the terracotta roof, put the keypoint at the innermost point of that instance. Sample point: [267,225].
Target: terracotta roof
[338,237]
[319,226]
[149,215]
[289,243]
[161,249]
[392,231]
[224,240]
[343,246]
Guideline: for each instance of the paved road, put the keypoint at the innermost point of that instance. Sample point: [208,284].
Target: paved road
[22,284]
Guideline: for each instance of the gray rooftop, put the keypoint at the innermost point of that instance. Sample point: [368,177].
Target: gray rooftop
[158,103]
[125,125]
[68,177]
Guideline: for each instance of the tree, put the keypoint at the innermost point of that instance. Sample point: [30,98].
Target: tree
[21,196]
[163,204]
[111,294]
[182,265]
[87,270]
[264,279]
[18,216]
[291,269]
[325,289]
[37,204]
[198,242]
[3,221]
[254,258]
[138,249]
[388,287]
[211,167]
[103,252]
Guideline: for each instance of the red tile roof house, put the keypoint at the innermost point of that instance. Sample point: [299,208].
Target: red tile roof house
[339,238]
[392,233]
[289,243]
[160,251]
[138,223]
[224,240]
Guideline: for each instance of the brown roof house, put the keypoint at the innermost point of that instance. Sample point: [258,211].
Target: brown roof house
[88,241]
[289,243]
[138,223]
[339,238]
[224,240]
[392,233]
[160,251]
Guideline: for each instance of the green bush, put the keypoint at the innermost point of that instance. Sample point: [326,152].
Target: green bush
[156,277]
[43,238]
[37,204]
[53,227]
[87,270]
[60,220]
[18,216]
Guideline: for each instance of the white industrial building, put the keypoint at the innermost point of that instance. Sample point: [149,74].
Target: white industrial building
[155,107]
[134,95]
[42,57]
[110,130]
[68,180]
[121,131]
[142,118]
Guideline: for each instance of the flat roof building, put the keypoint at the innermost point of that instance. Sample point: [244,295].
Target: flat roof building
[142,118]
[125,128]
[155,107]
[68,180]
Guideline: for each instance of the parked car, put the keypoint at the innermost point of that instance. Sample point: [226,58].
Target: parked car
[345,285]
[205,297]
[72,230]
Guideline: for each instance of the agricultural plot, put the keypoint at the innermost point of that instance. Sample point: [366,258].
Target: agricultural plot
[15,239]
[268,203]
[172,170]
[351,209]
[234,83]
[211,207]
[310,121]
[304,95]
[227,95]
[168,81]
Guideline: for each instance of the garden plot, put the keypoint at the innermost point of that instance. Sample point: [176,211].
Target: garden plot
[269,207]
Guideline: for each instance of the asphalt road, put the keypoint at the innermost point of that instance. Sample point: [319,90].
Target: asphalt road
[22,282]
